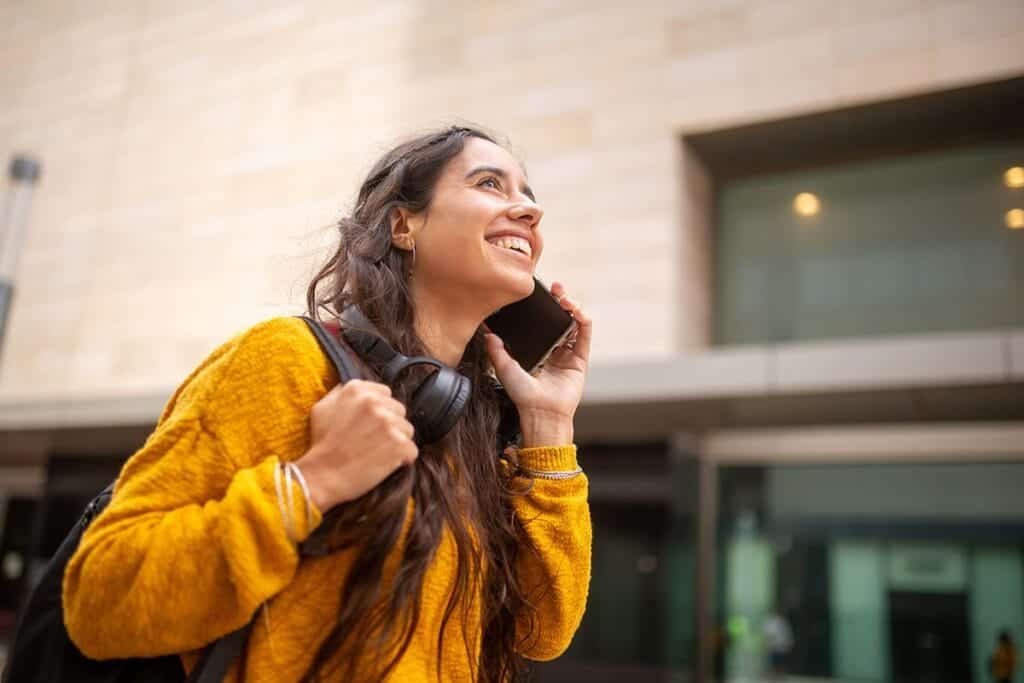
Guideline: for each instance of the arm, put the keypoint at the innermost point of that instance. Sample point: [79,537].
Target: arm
[193,540]
[554,565]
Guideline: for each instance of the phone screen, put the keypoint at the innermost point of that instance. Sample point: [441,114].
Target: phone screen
[532,327]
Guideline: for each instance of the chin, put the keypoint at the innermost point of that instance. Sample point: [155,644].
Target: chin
[524,285]
[500,284]
[511,289]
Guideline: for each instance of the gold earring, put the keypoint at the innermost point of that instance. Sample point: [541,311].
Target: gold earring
[410,245]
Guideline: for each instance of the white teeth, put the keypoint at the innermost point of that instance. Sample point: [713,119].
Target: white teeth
[514,243]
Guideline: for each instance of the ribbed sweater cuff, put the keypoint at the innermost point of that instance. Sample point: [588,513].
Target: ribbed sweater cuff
[548,458]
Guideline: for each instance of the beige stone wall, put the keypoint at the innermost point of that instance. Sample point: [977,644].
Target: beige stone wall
[196,152]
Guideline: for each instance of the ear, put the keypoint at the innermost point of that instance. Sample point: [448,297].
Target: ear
[402,229]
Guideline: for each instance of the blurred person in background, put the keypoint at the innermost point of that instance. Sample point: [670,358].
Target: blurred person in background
[1003,662]
[451,560]
[778,641]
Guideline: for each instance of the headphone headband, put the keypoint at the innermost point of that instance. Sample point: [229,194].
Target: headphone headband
[439,399]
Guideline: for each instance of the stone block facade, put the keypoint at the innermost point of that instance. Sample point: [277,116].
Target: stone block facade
[195,154]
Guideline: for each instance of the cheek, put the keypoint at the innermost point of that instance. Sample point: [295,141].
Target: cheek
[456,228]
[461,215]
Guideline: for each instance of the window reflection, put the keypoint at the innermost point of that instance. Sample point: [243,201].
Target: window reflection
[878,572]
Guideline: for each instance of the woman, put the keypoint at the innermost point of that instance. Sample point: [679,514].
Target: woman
[450,563]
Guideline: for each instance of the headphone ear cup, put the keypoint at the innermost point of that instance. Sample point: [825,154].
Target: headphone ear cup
[437,404]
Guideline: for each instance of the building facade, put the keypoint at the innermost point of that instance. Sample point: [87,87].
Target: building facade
[794,223]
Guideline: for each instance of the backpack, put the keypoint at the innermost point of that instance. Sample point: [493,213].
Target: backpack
[42,650]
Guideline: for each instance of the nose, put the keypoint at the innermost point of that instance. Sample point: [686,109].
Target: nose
[526,212]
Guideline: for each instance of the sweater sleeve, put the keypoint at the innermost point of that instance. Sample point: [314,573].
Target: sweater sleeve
[194,539]
[554,566]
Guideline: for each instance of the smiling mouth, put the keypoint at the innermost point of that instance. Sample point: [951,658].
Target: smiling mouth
[514,244]
[512,252]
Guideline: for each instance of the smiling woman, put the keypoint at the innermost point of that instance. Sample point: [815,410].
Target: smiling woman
[479,208]
[452,560]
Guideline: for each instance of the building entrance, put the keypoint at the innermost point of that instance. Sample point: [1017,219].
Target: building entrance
[929,637]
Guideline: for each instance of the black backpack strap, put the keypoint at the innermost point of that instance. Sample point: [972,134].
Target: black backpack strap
[342,362]
[349,366]
[216,659]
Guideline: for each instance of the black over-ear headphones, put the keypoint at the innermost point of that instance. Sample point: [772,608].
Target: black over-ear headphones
[438,401]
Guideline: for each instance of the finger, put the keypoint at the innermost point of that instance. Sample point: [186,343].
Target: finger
[410,454]
[584,328]
[505,366]
[393,406]
[405,428]
[568,303]
[574,345]
[569,342]
[369,386]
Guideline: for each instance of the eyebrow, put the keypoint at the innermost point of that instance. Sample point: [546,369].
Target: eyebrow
[501,174]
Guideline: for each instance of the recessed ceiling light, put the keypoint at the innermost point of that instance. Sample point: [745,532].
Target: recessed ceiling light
[806,204]
[1015,219]
[1014,177]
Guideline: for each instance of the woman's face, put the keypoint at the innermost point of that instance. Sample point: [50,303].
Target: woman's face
[479,241]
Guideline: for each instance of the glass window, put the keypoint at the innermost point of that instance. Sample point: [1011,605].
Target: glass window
[899,572]
[640,619]
[921,243]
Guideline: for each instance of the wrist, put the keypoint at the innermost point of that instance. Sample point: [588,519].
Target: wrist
[545,429]
[320,492]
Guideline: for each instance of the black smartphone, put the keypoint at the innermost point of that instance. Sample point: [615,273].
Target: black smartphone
[533,327]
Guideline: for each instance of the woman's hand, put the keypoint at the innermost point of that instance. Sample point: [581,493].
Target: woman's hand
[359,435]
[547,402]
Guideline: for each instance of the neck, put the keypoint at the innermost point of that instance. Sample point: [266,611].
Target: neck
[446,327]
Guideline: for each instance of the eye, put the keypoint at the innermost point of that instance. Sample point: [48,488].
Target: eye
[490,181]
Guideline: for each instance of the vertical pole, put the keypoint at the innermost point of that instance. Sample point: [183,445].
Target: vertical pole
[24,174]
[707,525]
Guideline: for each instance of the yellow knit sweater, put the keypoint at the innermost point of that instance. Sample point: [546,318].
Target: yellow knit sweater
[194,543]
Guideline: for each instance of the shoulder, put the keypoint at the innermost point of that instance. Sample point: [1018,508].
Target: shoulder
[273,361]
[283,338]
[281,349]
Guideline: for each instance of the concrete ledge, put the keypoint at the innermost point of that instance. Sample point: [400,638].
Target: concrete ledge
[1016,344]
[936,376]
[719,372]
[82,412]
[878,363]
[995,441]
[892,362]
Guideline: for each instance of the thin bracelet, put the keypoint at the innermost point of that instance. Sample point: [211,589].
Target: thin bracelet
[297,474]
[286,515]
[542,474]
[289,495]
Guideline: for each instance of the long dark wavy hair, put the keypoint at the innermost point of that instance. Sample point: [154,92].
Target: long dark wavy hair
[376,623]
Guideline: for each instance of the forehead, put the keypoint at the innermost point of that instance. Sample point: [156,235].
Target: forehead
[479,152]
